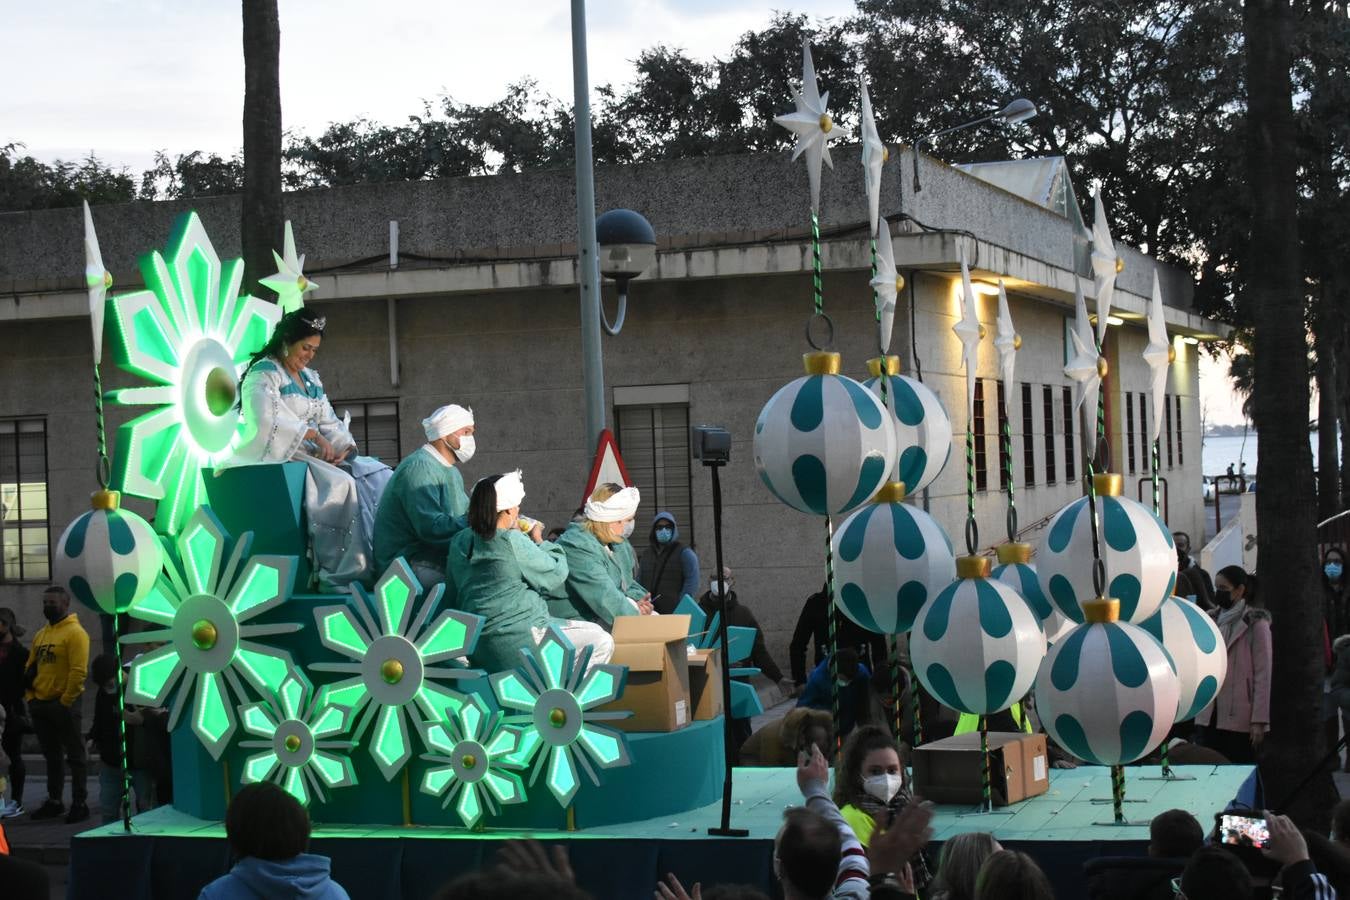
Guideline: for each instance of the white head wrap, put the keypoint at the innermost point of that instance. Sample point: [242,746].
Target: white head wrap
[510,490]
[447,420]
[617,508]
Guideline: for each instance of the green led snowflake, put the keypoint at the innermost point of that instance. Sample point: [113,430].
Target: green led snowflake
[394,661]
[558,697]
[301,740]
[205,603]
[188,334]
[474,755]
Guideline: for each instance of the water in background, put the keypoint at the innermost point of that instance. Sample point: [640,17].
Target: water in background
[1220,451]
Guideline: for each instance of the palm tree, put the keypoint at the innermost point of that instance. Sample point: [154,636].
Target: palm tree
[261,217]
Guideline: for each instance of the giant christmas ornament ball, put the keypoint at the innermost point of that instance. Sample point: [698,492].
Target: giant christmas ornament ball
[1106,691]
[1196,646]
[922,427]
[1016,570]
[889,558]
[977,645]
[109,557]
[1140,556]
[822,443]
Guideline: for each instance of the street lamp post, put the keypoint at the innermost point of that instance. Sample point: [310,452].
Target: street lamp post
[1019,110]
[588,269]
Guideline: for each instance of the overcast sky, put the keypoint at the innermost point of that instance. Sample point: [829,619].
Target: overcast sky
[124,78]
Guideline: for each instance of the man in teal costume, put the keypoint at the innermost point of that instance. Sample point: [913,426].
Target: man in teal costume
[425,505]
[600,581]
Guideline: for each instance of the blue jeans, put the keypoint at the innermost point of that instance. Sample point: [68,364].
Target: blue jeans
[110,792]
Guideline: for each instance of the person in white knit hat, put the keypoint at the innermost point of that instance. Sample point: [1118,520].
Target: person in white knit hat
[497,571]
[425,505]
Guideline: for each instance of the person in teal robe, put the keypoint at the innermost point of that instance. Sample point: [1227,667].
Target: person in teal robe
[425,505]
[601,583]
[497,571]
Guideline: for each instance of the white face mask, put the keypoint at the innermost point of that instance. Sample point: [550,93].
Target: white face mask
[714,587]
[627,529]
[882,787]
[464,452]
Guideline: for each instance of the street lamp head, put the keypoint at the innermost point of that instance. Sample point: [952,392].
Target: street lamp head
[627,245]
[1019,110]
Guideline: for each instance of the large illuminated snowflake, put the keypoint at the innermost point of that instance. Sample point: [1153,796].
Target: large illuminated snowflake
[188,334]
[394,661]
[558,698]
[473,761]
[206,601]
[301,748]
[704,633]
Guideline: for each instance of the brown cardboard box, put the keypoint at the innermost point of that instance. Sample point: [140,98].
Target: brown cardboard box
[653,649]
[705,684]
[949,770]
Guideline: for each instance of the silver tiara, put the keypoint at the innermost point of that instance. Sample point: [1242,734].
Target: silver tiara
[320,323]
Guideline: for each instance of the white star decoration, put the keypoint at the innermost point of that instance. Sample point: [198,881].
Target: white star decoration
[967,329]
[1082,368]
[1157,354]
[874,155]
[289,281]
[1103,266]
[1007,341]
[812,125]
[885,286]
[97,279]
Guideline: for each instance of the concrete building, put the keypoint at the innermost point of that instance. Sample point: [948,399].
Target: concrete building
[480,308]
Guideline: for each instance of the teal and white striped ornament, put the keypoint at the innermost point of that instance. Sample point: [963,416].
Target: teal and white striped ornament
[822,443]
[1140,556]
[1196,646]
[108,558]
[1022,577]
[1107,692]
[889,559]
[977,645]
[922,427]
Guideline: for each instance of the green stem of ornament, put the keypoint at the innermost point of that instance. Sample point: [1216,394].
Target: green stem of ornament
[104,471]
[1153,468]
[897,687]
[1008,468]
[915,699]
[833,630]
[985,793]
[818,295]
[1100,452]
[125,802]
[1118,793]
[1098,566]
[972,534]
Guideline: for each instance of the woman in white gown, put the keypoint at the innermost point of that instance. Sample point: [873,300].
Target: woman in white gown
[288,417]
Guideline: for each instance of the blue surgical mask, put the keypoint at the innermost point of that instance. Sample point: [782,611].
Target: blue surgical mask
[1333,570]
[664,535]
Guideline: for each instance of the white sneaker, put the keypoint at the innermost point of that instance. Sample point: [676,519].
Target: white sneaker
[10,810]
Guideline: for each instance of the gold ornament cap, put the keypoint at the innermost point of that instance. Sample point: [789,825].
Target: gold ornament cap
[1108,484]
[105,500]
[973,567]
[826,123]
[1103,368]
[822,362]
[891,492]
[1017,342]
[891,365]
[1171,354]
[204,634]
[1013,552]
[391,670]
[1100,610]
[292,742]
[1120,264]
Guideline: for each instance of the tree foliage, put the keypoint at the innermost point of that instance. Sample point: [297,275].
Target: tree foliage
[28,184]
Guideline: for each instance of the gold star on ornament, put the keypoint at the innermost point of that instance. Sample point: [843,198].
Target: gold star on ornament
[289,281]
[812,125]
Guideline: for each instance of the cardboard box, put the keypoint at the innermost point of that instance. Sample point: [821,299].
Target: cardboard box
[705,684]
[653,649]
[949,770]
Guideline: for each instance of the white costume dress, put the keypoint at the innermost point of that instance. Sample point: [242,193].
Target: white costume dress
[340,500]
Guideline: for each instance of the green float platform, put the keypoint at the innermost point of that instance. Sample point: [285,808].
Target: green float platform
[171,854]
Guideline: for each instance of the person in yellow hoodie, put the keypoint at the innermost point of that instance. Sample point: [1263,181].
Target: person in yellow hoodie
[56,669]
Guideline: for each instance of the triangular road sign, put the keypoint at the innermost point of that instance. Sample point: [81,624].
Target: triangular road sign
[608,466]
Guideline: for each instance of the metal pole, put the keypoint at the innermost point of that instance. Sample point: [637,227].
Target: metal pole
[588,268]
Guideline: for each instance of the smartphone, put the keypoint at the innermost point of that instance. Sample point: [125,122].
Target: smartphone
[1243,831]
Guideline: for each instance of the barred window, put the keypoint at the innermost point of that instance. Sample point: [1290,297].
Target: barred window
[981,462]
[375,427]
[1167,426]
[1028,437]
[1181,460]
[1145,424]
[1048,396]
[1070,464]
[25,530]
[1131,463]
[1004,448]
[654,441]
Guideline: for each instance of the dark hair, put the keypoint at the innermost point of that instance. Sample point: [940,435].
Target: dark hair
[1012,875]
[103,669]
[808,850]
[296,325]
[1340,821]
[864,739]
[265,822]
[56,589]
[1175,834]
[1213,873]
[507,884]
[483,507]
[1335,548]
[846,662]
[1234,575]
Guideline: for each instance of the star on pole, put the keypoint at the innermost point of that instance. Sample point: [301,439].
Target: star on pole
[98,279]
[812,125]
[1007,341]
[874,156]
[1158,355]
[885,286]
[967,328]
[1105,265]
[1082,368]
[289,280]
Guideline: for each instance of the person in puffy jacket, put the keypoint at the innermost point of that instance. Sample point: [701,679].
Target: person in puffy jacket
[667,568]
[268,831]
